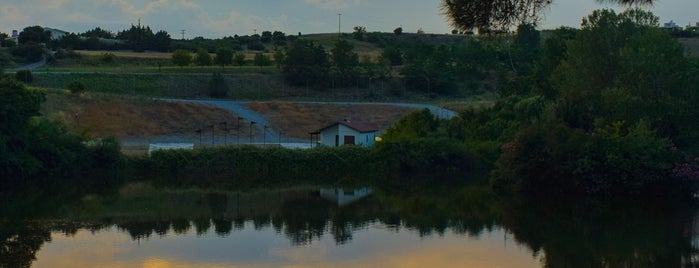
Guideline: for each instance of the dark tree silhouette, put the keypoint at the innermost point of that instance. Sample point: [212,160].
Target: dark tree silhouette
[501,14]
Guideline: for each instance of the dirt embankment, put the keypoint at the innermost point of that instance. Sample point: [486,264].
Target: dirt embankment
[121,117]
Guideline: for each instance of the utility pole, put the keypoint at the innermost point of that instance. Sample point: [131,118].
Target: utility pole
[183,31]
[339,24]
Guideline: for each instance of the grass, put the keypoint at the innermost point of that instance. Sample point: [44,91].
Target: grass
[100,115]
[299,119]
[692,45]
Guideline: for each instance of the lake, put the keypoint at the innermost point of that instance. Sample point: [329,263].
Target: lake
[143,226]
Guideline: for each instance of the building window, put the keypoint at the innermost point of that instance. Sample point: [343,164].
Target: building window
[349,139]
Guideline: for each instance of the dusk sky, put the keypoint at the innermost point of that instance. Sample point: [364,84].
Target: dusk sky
[218,18]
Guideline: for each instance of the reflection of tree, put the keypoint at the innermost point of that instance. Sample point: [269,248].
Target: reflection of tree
[181,226]
[567,233]
[138,229]
[223,226]
[20,242]
[305,219]
[604,234]
[202,225]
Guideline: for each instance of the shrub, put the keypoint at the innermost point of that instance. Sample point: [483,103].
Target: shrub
[108,58]
[76,87]
[24,76]
[218,88]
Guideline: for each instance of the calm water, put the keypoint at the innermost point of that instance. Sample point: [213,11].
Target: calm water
[451,227]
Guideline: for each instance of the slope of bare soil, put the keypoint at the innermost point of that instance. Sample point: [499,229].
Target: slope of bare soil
[124,118]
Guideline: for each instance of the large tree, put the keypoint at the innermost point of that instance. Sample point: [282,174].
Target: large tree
[224,56]
[503,14]
[35,34]
[306,64]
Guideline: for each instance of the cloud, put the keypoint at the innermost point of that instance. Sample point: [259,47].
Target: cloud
[328,4]
[237,23]
[10,13]
[153,7]
[50,4]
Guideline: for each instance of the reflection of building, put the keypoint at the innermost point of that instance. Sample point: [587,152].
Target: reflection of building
[345,133]
[169,146]
[343,197]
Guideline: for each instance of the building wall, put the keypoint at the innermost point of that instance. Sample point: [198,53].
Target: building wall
[327,137]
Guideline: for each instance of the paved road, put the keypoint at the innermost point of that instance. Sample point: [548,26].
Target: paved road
[31,66]
[238,107]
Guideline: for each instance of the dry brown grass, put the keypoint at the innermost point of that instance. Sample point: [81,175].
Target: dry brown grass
[127,117]
[299,119]
[125,54]
[122,117]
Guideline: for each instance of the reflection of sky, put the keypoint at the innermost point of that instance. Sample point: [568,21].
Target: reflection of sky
[370,247]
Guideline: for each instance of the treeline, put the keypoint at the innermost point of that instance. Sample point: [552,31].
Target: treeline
[38,153]
[608,109]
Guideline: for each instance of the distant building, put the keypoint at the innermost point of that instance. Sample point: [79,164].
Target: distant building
[346,133]
[671,26]
[15,36]
[56,33]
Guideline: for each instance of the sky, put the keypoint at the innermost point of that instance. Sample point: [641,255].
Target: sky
[219,18]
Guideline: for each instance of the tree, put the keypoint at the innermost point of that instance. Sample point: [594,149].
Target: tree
[181,57]
[266,37]
[161,41]
[99,33]
[392,54]
[223,56]
[345,61]
[398,31]
[76,87]
[359,32]
[202,58]
[30,51]
[239,59]
[467,15]
[218,88]
[262,59]
[278,58]
[138,38]
[34,34]
[306,64]
[24,76]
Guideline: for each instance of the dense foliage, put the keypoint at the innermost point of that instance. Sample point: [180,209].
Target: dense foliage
[487,15]
[39,153]
[607,109]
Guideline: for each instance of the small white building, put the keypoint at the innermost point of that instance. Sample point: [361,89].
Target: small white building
[56,33]
[15,36]
[345,133]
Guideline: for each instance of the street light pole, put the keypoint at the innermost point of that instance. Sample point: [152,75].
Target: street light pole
[251,123]
[199,131]
[225,132]
[237,134]
[212,134]
[339,24]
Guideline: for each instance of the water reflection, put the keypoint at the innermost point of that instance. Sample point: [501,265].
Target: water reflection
[280,227]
